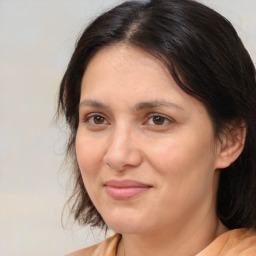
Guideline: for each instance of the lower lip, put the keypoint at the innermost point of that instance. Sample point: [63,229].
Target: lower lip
[125,193]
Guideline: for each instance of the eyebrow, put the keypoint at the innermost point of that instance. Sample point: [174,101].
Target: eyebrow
[138,107]
[93,103]
[156,104]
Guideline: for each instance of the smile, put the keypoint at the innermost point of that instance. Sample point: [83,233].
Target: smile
[126,189]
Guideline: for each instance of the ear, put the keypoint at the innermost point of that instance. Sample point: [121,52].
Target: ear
[231,145]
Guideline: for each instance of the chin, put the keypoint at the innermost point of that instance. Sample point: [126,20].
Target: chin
[128,225]
[126,228]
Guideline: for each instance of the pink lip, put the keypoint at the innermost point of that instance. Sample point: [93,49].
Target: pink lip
[125,189]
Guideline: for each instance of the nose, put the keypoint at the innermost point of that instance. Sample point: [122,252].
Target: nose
[123,150]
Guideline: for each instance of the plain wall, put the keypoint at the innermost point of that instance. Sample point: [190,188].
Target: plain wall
[36,41]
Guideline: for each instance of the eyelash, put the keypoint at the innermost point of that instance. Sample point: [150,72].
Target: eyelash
[163,119]
[93,115]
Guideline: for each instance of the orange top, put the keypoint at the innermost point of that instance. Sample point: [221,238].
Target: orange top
[237,242]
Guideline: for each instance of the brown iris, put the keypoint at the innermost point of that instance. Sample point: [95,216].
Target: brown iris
[98,119]
[158,120]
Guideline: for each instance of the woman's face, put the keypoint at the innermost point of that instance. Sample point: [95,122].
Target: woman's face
[146,149]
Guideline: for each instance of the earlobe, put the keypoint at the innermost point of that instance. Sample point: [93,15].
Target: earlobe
[232,144]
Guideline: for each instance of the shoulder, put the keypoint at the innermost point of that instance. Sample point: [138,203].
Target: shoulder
[237,242]
[106,248]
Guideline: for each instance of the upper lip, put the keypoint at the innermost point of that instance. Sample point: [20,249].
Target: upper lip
[125,184]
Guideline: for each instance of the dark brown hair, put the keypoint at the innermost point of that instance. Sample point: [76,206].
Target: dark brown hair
[206,58]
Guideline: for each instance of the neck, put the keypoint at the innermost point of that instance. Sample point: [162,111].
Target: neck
[185,241]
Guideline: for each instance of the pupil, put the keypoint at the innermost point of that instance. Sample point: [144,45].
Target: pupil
[98,119]
[158,120]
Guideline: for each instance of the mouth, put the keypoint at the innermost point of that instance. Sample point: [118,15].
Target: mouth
[125,189]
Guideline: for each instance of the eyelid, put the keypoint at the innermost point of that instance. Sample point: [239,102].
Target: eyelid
[93,114]
[170,120]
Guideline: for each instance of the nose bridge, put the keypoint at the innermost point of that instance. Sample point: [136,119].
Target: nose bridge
[120,138]
[122,150]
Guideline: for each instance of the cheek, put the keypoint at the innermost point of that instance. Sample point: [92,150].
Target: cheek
[186,161]
[186,173]
[89,154]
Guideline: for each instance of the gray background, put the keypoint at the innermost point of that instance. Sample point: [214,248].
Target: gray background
[36,42]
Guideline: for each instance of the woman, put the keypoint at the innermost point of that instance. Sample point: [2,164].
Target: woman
[160,99]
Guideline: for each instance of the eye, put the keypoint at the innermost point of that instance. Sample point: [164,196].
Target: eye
[158,120]
[96,119]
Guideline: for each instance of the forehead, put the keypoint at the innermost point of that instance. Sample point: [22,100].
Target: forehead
[126,54]
[125,65]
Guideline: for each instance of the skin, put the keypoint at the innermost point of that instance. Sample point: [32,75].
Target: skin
[170,146]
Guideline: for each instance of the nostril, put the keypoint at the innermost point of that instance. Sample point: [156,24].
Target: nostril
[123,160]
[114,162]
